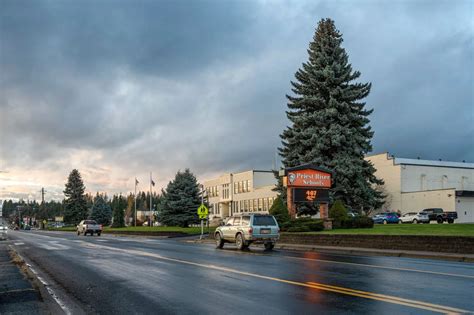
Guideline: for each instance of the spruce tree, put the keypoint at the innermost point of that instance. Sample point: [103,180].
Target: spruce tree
[279,211]
[75,206]
[101,211]
[180,201]
[329,123]
[118,207]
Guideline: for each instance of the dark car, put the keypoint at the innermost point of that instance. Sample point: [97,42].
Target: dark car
[440,216]
[386,218]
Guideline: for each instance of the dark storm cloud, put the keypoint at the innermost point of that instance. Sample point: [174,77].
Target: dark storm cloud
[165,85]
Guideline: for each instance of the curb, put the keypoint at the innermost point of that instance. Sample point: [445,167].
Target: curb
[364,251]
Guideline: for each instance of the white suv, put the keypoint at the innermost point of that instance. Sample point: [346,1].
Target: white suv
[246,229]
[413,217]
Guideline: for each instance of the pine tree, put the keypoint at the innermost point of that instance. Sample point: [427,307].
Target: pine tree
[329,122]
[180,201]
[101,211]
[75,206]
[118,207]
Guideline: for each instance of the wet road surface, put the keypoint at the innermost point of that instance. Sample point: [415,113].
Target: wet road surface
[123,275]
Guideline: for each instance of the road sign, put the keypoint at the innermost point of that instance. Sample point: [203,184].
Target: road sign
[202,211]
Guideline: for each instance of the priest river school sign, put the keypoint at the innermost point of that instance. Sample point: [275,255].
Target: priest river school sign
[307,183]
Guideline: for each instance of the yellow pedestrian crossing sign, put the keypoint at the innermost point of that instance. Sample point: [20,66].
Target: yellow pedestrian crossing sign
[202,211]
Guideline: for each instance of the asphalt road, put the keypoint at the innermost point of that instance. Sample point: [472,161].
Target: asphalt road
[123,275]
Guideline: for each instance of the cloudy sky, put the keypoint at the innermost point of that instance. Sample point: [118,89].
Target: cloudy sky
[121,88]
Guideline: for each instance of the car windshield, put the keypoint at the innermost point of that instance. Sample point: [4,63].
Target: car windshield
[263,220]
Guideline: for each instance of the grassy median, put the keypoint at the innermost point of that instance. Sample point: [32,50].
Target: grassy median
[410,229]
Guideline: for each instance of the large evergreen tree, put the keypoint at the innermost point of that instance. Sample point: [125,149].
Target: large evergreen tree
[118,207]
[75,206]
[101,211]
[329,123]
[180,201]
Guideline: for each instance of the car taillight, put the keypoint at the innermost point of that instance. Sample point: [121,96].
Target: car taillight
[86,227]
[101,226]
[250,231]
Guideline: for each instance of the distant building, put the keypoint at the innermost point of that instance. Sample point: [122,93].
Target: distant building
[414,184]
[249,191]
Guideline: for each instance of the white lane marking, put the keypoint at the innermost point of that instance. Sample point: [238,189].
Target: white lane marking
[19,243]
[54,245]
[102,240]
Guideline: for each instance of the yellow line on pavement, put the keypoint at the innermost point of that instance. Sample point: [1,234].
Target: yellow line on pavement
[389,297]
[312,285]
[357,264]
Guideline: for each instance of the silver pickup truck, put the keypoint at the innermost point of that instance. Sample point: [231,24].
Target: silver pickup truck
[89,226]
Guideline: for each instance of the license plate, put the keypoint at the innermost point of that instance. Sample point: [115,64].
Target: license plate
[264,231]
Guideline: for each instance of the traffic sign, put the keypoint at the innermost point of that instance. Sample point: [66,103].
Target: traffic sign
[202,211]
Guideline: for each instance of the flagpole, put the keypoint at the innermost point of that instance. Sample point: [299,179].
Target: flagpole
[151,202]
[135,215]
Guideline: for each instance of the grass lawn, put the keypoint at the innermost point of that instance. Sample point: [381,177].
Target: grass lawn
[189,230]
[410,229]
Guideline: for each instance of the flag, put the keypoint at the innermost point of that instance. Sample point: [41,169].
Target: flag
[152,182]
[136,181]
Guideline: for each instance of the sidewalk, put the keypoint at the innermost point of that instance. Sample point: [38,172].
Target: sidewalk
[364,251]
[17,295]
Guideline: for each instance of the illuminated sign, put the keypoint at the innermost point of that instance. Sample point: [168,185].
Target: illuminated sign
[310,195]
[309,178]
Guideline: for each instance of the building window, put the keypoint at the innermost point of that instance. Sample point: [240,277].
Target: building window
[260,204]
[247,185]
[235,188]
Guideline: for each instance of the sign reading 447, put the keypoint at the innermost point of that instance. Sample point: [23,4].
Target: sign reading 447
[202,211]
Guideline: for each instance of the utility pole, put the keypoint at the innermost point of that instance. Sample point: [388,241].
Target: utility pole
[135,215]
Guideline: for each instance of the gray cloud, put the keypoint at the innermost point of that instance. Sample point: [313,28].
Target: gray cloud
[118,88]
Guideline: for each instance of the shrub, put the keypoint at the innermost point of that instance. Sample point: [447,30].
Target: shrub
[280,211]
[303,225]
[338,213]
[301,228]
[357,223]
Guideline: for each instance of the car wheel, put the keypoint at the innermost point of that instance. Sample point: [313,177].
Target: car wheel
[450,221]
[219,241]
[239,241]
[440,220]
[98,233]
[78,233]
[385,222]
[415,221]
[269,246]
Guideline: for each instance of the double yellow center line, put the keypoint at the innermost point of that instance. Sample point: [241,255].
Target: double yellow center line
[313,285]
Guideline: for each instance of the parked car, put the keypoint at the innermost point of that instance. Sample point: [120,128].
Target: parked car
[247,229]
[3,232]
[440,216]
[386,218]
[415,217]
[89,226]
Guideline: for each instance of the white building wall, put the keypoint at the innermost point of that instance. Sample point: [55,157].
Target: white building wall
[391,174]
[420,178]
[417,201]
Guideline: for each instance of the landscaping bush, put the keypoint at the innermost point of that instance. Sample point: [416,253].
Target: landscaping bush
[357,223]
[301,228]
[280,212]
[338,213]
[303,225]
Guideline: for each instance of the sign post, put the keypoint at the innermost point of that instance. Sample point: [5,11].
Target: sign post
[202,211]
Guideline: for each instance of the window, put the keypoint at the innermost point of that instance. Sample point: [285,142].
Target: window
[248,186]
[236,221]
[265,204]
[246,205]
[245,220]
[230,221]
[251,206]
[263,220]
[255,205]
[260,204]
[235,188]
[240,187]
